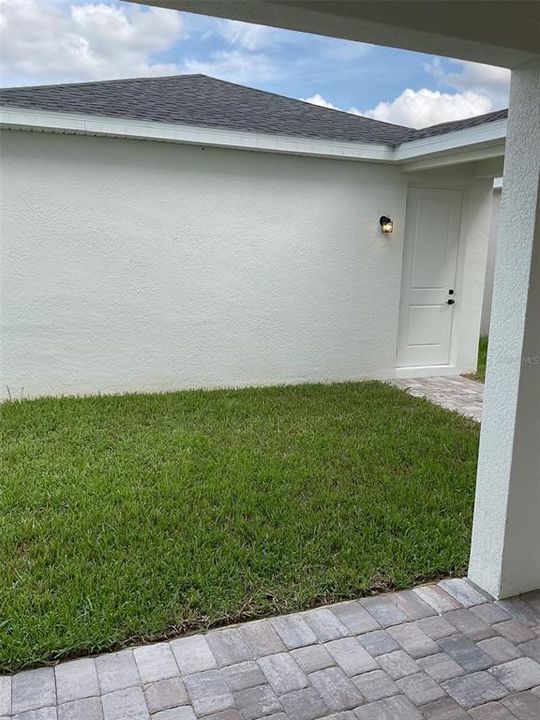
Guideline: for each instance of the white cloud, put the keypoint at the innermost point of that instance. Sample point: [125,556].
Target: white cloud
[493,82]
[234,65]
[420,108]
[481,88]
[318,99]
[44,42]
[246,35]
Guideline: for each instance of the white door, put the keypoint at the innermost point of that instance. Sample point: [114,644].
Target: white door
[428,292]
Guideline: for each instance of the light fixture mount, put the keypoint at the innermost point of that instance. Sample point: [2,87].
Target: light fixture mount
[387,224]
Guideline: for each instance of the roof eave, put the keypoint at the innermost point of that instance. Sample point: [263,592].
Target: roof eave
[80,124]
[489,134]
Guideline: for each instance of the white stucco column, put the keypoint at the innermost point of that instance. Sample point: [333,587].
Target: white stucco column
[505,555]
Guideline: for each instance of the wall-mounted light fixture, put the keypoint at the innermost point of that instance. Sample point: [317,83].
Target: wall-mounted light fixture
[387,224]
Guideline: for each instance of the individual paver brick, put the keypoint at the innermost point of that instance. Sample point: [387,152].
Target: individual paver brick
[444,709]
[351,656]
[155,662]
[524,705]
[466,653]
[229,647]
[531,648]
[305,704]
[522,611]
[165,694]
[436,627]
[86,709]
[500,649]
[5,695]
[376,685]
[518,675]
[243,675]
[533,598]
[474,689]
[283,673]
[420,688]
[336,689]
[440,667]
[257,702]
[231,714]
[394,708]
[346,715]
[193,654]
[413,607]
[413,640]
[76,679]
[117,671]
[491,711]
[180,713]
[490,613]
[378,642]
[313,657]
[356,619]
[437,598]
[47,713]
[514,631]
[398,664]
[208,692]
[325,624]
[128,704]
[384,609]
[262,638]
[463,592]
[469,624]
[294,631]
[32,689]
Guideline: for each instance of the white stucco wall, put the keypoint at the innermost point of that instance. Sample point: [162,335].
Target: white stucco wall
[476,222]
[490,266]
[140,266]
[505,552]
[148,266]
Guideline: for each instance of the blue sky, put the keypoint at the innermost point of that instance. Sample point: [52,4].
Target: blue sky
[47,41]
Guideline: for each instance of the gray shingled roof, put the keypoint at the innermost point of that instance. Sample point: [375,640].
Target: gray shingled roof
[204,101]
[456,125]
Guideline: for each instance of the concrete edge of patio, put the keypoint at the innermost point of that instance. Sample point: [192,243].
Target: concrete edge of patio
[444,650]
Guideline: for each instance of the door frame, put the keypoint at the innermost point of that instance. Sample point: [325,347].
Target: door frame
[450,368]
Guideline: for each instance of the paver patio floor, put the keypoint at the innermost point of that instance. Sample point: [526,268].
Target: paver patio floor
[443,651]
[461,394]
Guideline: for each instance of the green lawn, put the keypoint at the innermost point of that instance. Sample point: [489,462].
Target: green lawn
[480,374]
[140,516]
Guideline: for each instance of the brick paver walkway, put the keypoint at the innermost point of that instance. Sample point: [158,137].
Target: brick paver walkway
[439,652]
[453,393]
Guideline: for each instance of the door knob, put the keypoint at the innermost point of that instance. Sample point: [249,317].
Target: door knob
[450,301]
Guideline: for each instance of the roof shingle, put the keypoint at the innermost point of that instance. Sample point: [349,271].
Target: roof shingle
[204,101]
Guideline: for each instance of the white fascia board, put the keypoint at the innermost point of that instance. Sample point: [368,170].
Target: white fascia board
[437,146]
[458,157]
[74,123]
[468,138]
